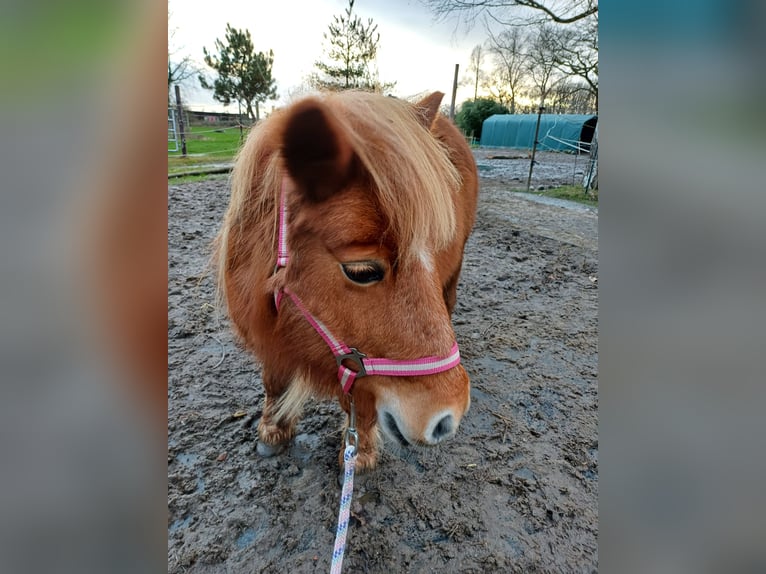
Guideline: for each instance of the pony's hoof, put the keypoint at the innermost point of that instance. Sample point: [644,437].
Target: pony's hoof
[269,450]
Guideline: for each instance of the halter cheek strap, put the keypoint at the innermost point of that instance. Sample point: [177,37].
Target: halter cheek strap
[282,254]
[342,352]
[373,366]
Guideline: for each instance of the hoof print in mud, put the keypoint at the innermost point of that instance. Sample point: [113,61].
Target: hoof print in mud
[268,450]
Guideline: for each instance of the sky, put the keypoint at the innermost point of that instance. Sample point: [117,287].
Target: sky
[416,51]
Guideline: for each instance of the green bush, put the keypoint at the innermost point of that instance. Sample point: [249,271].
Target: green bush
[473,113]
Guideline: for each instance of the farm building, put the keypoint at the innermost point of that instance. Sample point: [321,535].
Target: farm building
[558,132]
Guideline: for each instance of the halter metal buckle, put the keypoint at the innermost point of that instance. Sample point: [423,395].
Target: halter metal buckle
[356,356]
[352,437]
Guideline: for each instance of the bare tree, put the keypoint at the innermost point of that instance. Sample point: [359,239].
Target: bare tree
[583,100]
[507,80]
[573,26]
[474,68]
[542,63]
[577,53]
[179,71]
[570,97]
[180,68]
[511,11]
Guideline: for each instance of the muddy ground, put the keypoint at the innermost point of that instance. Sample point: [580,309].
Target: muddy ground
[515,491]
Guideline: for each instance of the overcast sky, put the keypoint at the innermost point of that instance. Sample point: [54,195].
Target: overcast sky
[416,52]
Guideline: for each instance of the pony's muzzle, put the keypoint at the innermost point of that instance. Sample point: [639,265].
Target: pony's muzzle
[425,410]
[438,428]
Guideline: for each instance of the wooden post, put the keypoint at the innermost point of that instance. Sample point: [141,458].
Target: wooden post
[590,181]
[239,121]
[534,147]
[454,94]
[181,121]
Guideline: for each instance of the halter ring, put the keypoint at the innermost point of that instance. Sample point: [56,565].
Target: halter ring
[356,356]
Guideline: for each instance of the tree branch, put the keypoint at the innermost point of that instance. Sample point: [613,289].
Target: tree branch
[584,8]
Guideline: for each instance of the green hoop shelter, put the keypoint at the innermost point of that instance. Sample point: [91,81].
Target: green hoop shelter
[558,132]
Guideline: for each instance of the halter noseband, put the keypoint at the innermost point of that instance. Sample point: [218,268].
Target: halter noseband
[342,352]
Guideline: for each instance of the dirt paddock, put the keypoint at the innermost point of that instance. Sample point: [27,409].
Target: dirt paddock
[515,491]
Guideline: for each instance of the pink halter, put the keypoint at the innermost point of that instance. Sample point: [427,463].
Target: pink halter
[342,352]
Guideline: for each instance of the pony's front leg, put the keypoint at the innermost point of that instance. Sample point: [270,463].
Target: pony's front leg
[277,425]
[366,428]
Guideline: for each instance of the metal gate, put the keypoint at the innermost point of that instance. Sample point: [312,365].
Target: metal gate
[172,131]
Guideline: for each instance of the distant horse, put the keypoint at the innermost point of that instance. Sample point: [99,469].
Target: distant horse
[347,221]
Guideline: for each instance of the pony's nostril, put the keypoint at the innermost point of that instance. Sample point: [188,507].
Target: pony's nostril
[443,429]
[390,422]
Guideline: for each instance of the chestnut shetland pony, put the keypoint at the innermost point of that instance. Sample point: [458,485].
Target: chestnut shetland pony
[380,197]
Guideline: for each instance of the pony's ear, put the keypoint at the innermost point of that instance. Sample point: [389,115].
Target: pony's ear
[317,153]
[428,108]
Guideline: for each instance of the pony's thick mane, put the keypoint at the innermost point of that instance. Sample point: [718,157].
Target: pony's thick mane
[414,179]
[413,175]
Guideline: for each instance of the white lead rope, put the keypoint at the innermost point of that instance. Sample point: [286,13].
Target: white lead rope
[349,457]
[349,462]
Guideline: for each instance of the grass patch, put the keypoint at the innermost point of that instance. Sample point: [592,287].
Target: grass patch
[572,193]
[206,145]
[195,178]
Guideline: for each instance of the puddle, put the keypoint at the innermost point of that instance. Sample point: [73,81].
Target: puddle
[179,524]
[246,538]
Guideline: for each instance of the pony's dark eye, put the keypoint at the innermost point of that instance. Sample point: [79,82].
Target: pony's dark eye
[363,272]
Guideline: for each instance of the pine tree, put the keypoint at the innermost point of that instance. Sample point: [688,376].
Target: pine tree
[244,75]
[351,50]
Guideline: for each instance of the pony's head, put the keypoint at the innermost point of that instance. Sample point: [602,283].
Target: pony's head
[371,199]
